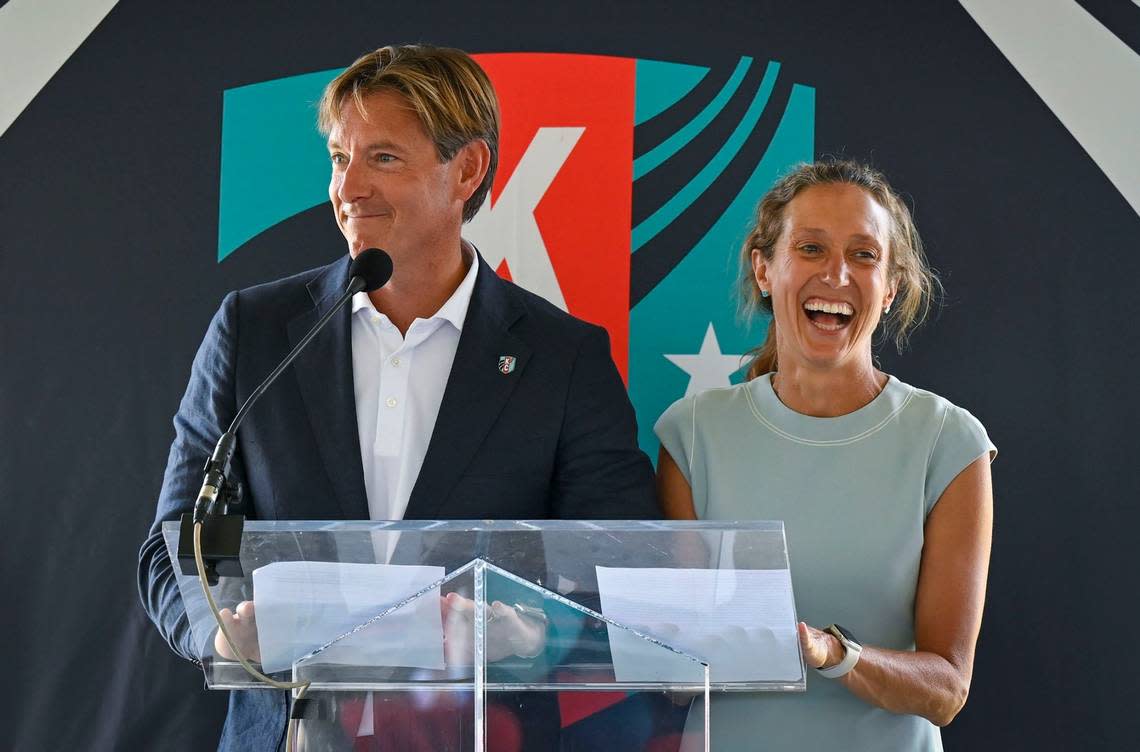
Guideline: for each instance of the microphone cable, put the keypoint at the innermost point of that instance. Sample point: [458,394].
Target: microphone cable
[303,687]
[369,271]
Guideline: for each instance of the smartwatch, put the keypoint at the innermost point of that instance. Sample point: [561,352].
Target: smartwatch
[850,657]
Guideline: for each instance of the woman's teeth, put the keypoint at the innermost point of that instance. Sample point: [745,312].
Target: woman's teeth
[826,306]
[828,315]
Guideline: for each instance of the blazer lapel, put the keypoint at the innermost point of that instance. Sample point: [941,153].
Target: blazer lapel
[324,372]
[475,394]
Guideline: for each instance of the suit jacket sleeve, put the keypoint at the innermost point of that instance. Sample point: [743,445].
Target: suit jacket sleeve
[600,472]
[206,410]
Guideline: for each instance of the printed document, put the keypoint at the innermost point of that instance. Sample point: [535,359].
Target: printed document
[740,621]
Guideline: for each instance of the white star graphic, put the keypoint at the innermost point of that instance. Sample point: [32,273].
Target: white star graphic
[709,368]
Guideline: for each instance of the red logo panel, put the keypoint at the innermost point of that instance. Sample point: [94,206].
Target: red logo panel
[585,215]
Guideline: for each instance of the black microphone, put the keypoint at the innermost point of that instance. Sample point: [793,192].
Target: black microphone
[370,270]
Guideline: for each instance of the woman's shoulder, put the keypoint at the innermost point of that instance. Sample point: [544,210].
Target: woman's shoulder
[707,404]
[716,411]
[927,405]
[955,429]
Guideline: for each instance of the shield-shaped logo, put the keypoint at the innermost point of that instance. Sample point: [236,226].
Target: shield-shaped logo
[662,224]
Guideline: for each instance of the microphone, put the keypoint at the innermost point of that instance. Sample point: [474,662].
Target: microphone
[369,271]
[221,535]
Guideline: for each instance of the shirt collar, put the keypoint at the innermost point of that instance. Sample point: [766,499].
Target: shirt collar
[455,308]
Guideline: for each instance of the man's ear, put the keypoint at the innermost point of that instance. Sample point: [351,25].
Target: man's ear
[472,162]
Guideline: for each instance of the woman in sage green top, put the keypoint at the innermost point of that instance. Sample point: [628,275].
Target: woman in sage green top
[884,489]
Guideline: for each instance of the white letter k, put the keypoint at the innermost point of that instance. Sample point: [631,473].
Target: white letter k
[508,230]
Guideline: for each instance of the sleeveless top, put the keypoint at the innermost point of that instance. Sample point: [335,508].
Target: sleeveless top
[853,493]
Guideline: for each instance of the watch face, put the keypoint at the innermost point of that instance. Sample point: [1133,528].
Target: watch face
[846,634]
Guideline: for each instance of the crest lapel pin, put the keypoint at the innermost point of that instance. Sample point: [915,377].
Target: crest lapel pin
[507,364]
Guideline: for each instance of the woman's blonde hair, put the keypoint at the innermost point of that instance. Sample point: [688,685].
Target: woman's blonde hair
[907,265]
[451,94]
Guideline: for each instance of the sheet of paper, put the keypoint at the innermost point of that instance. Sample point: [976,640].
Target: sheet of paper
[741,621]
[304,605]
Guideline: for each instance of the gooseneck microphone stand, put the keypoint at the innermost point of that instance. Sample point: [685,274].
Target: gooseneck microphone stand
[209,542]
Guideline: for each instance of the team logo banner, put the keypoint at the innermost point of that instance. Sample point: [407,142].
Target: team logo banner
[624,191]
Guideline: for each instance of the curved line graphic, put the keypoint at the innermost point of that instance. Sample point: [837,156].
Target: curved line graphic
[660,85]
[650,134]
[672,208]
[657,259]
[647,162]
[652,191]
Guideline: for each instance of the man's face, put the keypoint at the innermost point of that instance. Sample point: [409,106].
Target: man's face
[389,188]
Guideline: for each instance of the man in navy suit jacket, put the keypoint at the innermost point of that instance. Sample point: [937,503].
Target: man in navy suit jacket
[413,139]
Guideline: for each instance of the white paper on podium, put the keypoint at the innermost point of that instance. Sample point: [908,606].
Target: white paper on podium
[303,605]
[740,621]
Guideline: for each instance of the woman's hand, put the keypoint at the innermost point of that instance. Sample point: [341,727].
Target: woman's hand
[820,649]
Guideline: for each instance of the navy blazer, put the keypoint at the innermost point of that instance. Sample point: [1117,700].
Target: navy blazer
[555,438]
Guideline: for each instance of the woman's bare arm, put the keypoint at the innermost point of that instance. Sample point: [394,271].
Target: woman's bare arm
[933,681]
[673,492]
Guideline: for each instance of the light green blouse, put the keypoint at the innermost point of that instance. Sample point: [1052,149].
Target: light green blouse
[853,492]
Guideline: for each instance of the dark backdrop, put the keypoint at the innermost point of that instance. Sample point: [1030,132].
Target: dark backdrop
[108,225]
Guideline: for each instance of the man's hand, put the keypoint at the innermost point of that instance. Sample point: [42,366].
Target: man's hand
[508,633]
[241,624]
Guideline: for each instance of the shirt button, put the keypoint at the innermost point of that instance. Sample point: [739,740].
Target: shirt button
[390,402]
[396,362]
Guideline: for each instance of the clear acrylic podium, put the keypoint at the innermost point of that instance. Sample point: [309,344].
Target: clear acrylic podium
[462,636]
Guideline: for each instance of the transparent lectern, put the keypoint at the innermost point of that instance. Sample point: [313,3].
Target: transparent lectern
[511,636]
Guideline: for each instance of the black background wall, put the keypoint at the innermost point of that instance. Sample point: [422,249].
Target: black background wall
[108,224]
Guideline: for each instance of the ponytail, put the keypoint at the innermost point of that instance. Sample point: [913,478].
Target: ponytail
[764,356]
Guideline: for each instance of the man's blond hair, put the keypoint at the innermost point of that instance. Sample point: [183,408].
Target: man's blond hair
[447,89]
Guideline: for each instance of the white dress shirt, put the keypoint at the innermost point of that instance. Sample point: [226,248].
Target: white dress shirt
[399,383]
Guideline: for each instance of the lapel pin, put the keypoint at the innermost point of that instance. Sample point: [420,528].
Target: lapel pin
[507,363]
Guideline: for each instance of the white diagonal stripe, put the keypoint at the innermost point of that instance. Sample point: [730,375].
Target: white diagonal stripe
[1086,75]
[36,39]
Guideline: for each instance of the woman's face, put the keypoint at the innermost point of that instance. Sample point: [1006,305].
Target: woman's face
[829,276]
